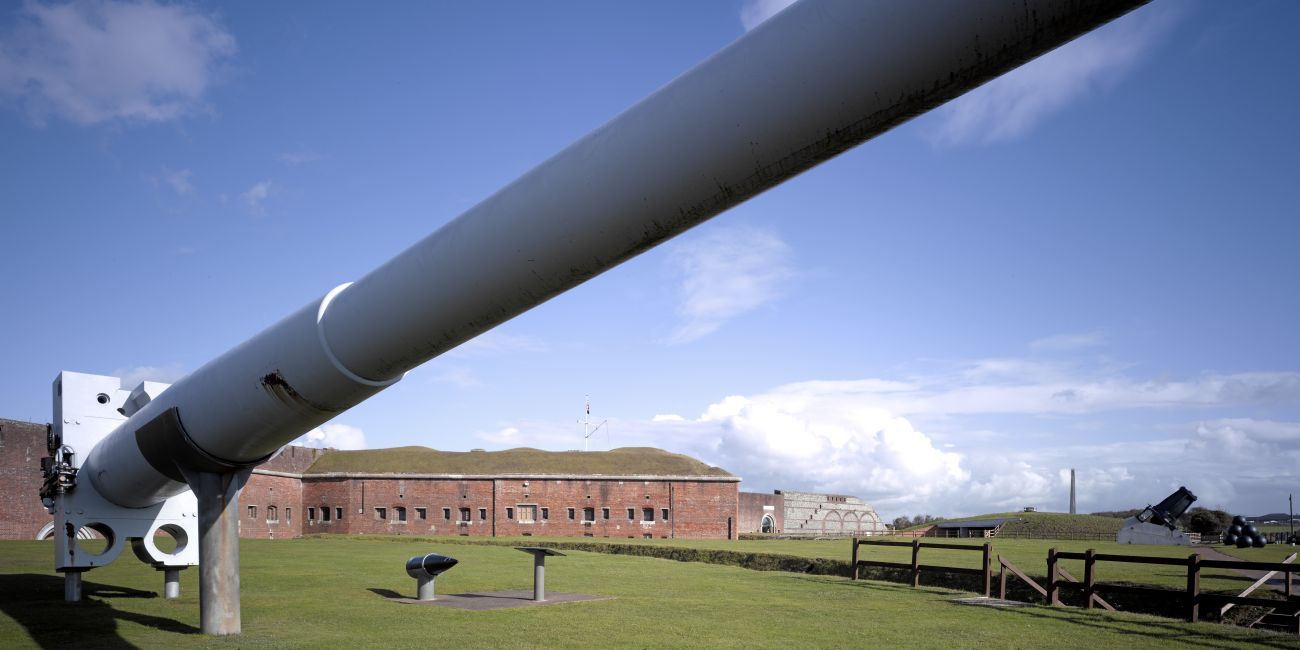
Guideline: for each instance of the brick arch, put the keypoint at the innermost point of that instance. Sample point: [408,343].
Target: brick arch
[871,519]
[850,521]
[833,521]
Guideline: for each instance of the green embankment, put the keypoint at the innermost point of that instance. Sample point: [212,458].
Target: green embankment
[321,592]
[1046,524]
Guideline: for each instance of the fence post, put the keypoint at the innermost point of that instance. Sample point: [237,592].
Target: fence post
[1193,588]
[1088,562]
[855,558]
[916,563]
[988,570]
[1002,579]
[1052,588]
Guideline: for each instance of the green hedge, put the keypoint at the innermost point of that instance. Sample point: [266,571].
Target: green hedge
[753,561]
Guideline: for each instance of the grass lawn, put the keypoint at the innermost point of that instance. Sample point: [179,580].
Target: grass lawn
[323,592]
[1030,555]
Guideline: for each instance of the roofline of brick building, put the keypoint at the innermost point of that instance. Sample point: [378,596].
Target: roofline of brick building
[486,477]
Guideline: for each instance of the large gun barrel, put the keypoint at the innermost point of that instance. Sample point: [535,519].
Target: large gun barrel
[812,82]
[1167,512]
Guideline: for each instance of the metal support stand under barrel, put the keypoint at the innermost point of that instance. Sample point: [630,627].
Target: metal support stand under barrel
[426,568]
[539,568]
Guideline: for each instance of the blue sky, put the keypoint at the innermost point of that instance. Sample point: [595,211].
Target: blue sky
[1088,263]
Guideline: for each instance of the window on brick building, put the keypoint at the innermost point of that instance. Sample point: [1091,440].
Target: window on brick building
[647,514]
[381,513]
[325,514]
[421,513]
[589,514]
[311,514]
[546,514]
[527,514]
[572,514]
[464,514]
[288,514]
[482,514]
[446,514]
[663,514]
[252,512]
[604,513]
[631,514]
[272,514]
[338,513]
[400,513]
[510,512]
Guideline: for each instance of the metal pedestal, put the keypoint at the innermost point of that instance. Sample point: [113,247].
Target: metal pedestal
[539,568]
[218,501]
[171,583]
[72,586]
[424,589]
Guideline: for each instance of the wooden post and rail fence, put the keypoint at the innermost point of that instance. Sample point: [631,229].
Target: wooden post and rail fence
[916,568]
[1190,599]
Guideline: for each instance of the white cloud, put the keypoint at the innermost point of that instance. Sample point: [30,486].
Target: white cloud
[131,377]
[506,436]
[863,437]
[1014,103]
[295,158]
[179,181]
[95,61]
[754,12]
[458,376]
[333,436]
[496,343]
[255,195]
[725,273]
[1068,342]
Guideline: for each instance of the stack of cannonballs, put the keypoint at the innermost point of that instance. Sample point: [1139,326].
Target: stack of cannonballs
[1244,535]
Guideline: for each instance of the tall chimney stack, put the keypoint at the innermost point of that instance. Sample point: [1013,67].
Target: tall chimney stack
[1073,510]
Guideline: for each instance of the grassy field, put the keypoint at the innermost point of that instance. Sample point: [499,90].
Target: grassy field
[1047,524]
[329,593]
[1030,555]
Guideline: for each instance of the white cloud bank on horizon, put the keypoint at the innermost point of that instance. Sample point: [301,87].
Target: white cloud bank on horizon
[724,273]
[861,437]
[96,61]
[333,436]
[1019,100]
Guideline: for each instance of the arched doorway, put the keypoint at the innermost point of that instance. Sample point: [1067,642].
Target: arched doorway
[768,524]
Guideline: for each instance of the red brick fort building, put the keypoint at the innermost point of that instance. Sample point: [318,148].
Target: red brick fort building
[636,493]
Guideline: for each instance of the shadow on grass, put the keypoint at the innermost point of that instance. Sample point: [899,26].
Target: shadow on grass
[1212,637]
[35,601]
[385,593]
[1165,631]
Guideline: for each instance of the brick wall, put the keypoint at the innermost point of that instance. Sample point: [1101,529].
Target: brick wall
[754,505]
[486,507]
[695,509]
[830,514]
[22,445]
[293,459]
[276,507]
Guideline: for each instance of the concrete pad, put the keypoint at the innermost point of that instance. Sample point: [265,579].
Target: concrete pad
[499,599]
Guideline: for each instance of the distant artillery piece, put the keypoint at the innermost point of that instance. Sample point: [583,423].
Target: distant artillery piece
[1157,525]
